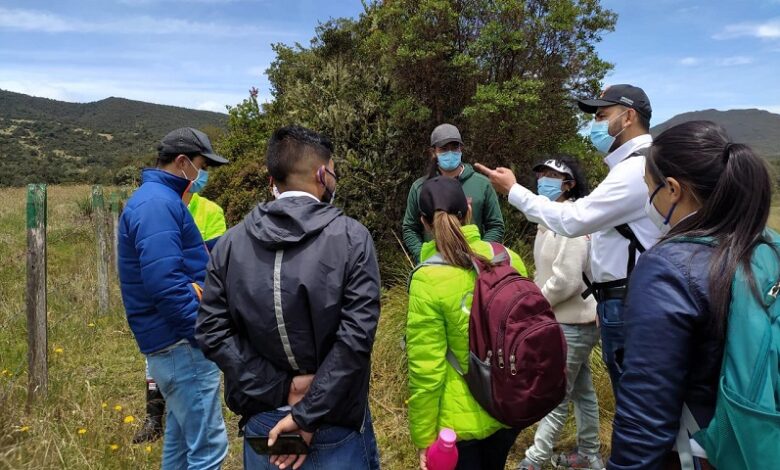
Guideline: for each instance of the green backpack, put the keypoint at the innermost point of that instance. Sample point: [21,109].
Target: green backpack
[745,430]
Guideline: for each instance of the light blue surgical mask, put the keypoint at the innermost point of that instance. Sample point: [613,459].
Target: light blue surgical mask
[599,135]
[449,160]
[199,182]
[550,187]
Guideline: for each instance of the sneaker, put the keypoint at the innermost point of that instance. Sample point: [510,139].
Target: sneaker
[526,464]
[575,460]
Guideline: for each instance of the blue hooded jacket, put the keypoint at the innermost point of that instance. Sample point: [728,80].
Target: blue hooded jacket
[672,355]
[162,262]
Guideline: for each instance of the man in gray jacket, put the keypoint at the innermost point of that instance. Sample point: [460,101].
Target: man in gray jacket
[289,313]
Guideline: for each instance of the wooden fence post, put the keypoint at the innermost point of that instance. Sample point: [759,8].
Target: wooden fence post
[99,211]
[37,339]
[116,209]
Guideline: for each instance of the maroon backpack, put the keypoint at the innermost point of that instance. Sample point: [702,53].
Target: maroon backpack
[517,351]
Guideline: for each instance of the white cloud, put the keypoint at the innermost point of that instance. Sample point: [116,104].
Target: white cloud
[41,90]
[92,85]
[211,106]
[690,61]
[767,30]
[719,62]
[150,2]
[732,61]
[42,21]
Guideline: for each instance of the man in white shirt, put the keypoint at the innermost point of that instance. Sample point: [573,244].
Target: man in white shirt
[614,213]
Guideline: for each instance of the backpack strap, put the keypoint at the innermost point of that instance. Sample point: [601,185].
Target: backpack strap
[643,152]
[708,241]
[688,427]
[588,286]
[454,362]
[435,260]
[500,254]
[500,257]
[626,232]
[634,245]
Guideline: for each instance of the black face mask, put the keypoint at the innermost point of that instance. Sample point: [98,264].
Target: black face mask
[329,195]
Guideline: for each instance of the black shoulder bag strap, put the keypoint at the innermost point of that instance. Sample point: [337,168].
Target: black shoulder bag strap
[625,231]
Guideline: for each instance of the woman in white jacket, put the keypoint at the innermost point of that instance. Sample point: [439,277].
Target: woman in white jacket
[560,262]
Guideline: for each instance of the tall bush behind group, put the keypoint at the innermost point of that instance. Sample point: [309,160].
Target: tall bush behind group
[506,72]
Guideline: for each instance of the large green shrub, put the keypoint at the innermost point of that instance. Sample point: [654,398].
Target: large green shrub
[505,72]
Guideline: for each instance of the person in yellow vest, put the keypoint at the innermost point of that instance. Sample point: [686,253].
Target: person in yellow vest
[208,216]
[210,220]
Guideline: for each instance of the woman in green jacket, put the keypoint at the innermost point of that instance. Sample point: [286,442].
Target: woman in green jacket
[438,320]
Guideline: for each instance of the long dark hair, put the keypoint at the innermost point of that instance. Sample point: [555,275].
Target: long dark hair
[734,188]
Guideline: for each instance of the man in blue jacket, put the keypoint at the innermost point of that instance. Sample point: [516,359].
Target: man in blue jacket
[162,264]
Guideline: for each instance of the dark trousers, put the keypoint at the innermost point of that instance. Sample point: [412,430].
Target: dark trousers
[486,454]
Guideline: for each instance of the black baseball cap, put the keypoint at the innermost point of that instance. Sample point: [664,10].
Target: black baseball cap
[627,95]
[188,141]
[443,193]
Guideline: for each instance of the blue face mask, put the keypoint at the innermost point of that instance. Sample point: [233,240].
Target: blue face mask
[199,182]
[599,135]
[550,187]
[449,160]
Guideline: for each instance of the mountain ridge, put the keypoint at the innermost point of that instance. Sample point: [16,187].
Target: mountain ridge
[758,128]
[103,141]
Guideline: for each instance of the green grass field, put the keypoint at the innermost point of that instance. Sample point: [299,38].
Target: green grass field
[96,374]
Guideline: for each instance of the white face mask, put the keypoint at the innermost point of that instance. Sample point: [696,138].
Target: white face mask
[658,219]
[275,191]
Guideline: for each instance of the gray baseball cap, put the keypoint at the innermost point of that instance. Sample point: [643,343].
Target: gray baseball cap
[444,134]
[189,140]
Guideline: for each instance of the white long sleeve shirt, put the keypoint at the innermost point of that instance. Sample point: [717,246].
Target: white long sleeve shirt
[619,199]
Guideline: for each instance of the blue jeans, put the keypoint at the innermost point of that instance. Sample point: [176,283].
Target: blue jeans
[580,340]
[613,337]
[332,448]
[195,436]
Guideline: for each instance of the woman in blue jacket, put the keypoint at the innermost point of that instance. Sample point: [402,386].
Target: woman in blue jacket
[700,184]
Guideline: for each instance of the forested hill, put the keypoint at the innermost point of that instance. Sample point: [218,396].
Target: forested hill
[44,140]
[758,128]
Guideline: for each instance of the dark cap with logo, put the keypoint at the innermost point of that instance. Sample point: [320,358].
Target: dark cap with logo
[627,95]
[443,193]
[187,140]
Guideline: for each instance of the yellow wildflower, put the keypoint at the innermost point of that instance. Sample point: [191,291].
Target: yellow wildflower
[24,428]
[82,431]
[113,447]
[104,405]
[58,350]
[118,408]
[129,419]
[148,448]
[91,325]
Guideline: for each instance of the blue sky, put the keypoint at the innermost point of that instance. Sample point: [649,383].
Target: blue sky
[205,54]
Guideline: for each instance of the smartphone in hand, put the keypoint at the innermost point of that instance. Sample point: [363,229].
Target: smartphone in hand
[286,444]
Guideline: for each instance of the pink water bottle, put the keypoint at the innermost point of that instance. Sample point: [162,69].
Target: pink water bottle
[443,454]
